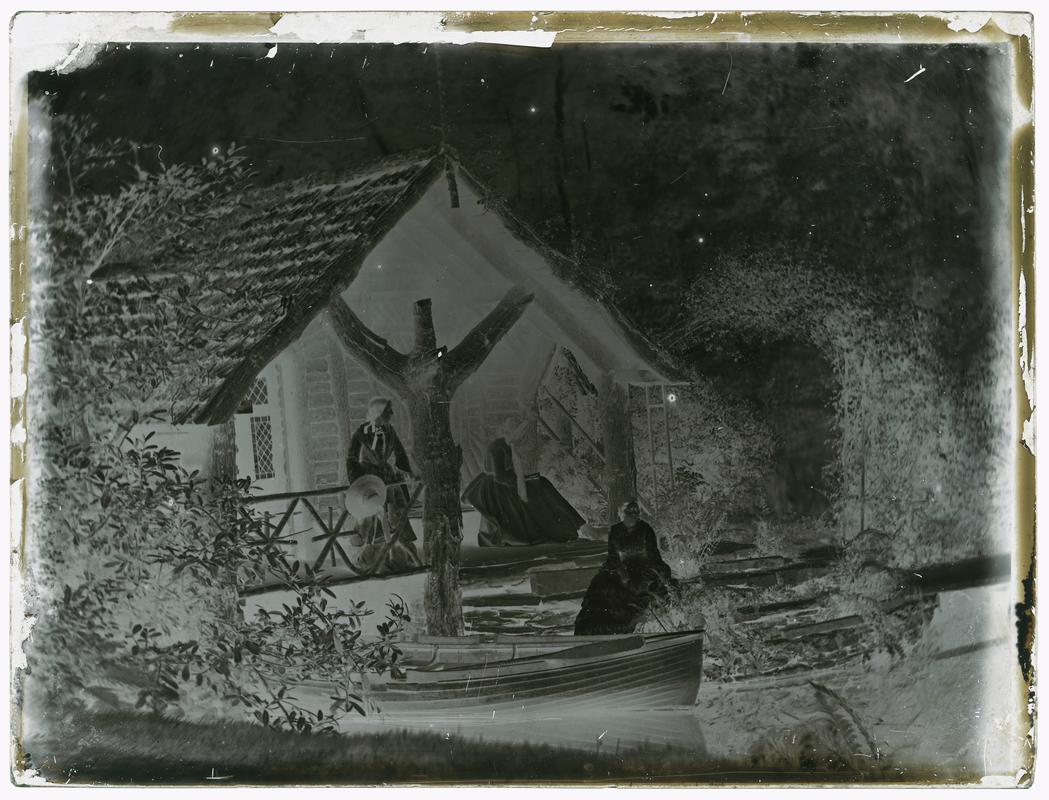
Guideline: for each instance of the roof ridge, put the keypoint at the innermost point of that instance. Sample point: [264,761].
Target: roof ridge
[348,177]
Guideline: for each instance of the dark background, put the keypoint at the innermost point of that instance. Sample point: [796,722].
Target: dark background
[648,164]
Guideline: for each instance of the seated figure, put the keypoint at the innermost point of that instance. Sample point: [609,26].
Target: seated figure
[633,573]
[518,505]
[376,449]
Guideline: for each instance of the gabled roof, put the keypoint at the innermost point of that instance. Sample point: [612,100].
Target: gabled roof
[590,321]
[482,250]
[269,260]
[265,263]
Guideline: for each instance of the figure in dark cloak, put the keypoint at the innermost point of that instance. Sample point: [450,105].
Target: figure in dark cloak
[373,447]
[518,505]
[633,573]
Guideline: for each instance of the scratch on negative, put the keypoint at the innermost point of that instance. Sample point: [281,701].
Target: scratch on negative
[921,69]
[729,75]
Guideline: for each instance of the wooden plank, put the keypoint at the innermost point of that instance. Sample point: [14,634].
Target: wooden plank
[546,582]
[753,612]
[481,561]
[501,600]
[818,628]
[748,579]
[340,581]
[757,564]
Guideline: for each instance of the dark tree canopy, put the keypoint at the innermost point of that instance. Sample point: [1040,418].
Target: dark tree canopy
[648,162]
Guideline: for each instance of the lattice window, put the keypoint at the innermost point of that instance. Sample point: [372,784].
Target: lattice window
[262,446]
[259,394]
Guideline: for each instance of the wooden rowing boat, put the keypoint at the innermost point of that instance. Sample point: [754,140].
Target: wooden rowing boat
[510,675]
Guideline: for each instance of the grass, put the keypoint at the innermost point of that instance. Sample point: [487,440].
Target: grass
[120,749]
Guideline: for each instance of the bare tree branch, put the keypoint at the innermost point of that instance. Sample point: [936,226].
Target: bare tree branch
[470,353]
[385,363]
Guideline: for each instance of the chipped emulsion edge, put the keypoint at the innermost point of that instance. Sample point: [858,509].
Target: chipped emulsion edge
[19,622]
[1021,158]
[70,41]
[1026,366]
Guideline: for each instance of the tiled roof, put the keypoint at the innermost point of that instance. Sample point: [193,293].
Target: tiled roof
[267,261]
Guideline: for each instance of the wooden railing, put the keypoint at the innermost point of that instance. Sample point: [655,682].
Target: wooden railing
[273,527]
[647,505]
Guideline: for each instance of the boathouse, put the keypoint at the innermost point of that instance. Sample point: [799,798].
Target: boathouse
[276,396]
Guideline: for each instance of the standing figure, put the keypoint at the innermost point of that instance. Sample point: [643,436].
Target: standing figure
[373,446]
[633,573]
[518,505]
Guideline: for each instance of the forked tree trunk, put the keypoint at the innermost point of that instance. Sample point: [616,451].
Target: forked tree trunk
[426,380]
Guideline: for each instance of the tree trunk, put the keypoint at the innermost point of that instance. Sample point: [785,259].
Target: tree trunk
[222,468]
[439,461]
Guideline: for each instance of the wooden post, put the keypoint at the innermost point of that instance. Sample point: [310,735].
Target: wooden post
[619,449]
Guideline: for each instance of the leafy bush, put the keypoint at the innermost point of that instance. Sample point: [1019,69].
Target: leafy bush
[832,738]
[718,453]
[133,562]
[922,447]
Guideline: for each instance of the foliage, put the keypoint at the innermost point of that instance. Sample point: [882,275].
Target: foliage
[731,649]
[109,324]
[719,453]
[134,561]
[258,664]
[921,448]
[832,738]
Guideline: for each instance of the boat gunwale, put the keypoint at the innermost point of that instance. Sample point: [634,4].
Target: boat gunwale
[425,662]
[513,638]
[531,664]
[443,681]
[669,643]
[529,685]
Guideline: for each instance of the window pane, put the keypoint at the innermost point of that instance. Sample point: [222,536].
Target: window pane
[259,394]
[262,445]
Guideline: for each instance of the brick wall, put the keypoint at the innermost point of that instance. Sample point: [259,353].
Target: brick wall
[325,447]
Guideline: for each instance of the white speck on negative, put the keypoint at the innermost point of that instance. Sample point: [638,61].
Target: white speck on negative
[921,69]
